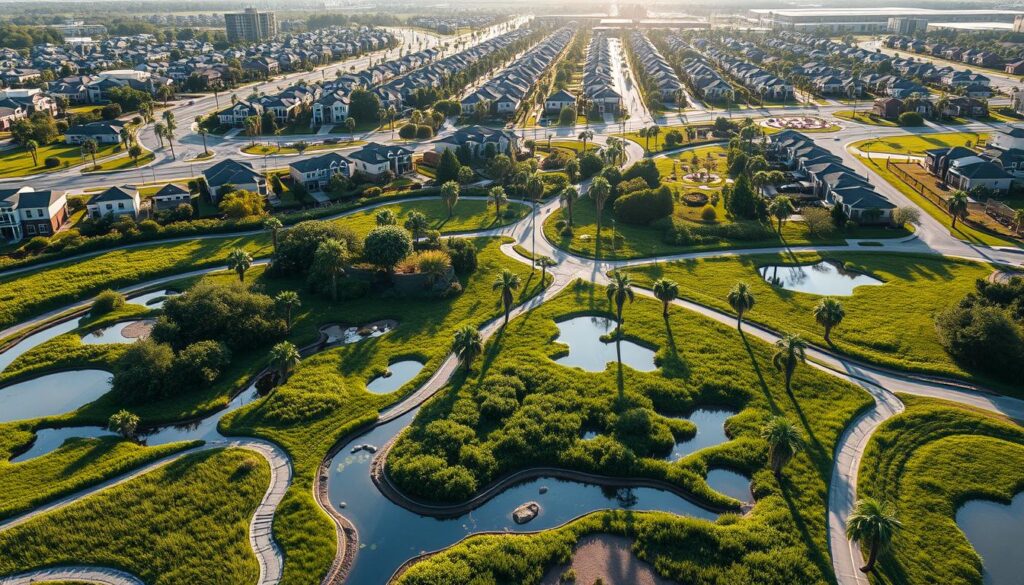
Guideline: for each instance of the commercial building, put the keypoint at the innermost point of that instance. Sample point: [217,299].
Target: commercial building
[1018,23]
[250,25]
[907,26]
[869,20]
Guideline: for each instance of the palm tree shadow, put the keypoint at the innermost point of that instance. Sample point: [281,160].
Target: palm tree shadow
[815,444]
[673,363]
[760,377]
[824,565]
[491,351]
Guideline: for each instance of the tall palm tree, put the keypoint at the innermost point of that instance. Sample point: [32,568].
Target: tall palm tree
[89,148]
[287,301]
[33,149]
[741,299]
[240,261]
[498,197]
[544,262]
[620,290]
[330,259]
[790,350]
[158,130]
[872,523]
[467,345]
[781,208]
[599,191]
[829,313]
[666,291]
[450,196]
[284,357]
[585,136]
[653,132]
[568,199]
[350,126]
[507,283]
[957,206]
[273,225]
[126,137]
[784,442]
[202,131]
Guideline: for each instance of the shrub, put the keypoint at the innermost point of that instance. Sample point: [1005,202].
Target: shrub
[673,138]
[423,132]
[36,244]
[643,207]
[645,169]
[200,363]
[232,314]
[372,192]
[142,371]
[107,301]
[387,246]
[818,221]
[984,338]
[590,165]
[297,244]
[51,162]
[407,131]
[910,119]
[708,214]
[556,160]
[463,254]
[634,184]
[567,117]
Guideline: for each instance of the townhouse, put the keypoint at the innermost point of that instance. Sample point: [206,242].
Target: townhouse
[115,201]
[654,71]
[476,139]
[375,160]
[237,175]
[599,84]
[315,173]
[25,213]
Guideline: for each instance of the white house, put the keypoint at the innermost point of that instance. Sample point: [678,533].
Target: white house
[376,159]
[315,173]
[115,201]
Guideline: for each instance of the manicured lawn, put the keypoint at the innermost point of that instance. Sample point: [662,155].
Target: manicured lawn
[864,117]
[470,215]
[185,523]
[702,363]
[963,232]
[892,324]
[657,143]
[121,163]
[927,462]
[917,144]
[17,162]
[270,149]
[326,396]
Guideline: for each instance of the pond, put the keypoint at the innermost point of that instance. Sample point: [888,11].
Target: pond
[400,373]
[389,535]
[52,394]
[710,432]
[588,351]
[996,532]
[121,332]
[153,300]
[730,483]
[824,278]
[48,440]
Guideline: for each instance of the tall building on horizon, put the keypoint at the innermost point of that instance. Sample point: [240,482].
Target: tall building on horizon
[250,25]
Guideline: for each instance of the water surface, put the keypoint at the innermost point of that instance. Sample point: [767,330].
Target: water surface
[824,278]
[115,333]
[710,432]
[996,531]
[401,372]
[588,351]
[52,394]
[730,483]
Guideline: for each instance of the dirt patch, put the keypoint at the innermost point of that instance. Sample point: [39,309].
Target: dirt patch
[609,558]
[138,330]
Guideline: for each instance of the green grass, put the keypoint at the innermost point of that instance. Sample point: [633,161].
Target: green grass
[783,540]
[864,117]
[657,143]
[121,162]
[326,396]
[892,324]
[927,462]
[17,162]
[962,231]
[470,215]
[917,144]
[268,149]
[188,523]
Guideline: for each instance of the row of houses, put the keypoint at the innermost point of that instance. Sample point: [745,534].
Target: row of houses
[757,80]
[654,69]
[994,167]
[452,23]
[599,81]
[505,92]
[826,178]
[976,57]
[703,79]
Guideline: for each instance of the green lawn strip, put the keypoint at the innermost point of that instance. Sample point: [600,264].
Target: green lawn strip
[266,149]
[927,462]
[918,144]
[863,117]
[891,325]
[657,143]
[702,363]
[326,397]
[187,522]
[121,163]
[469,215]
[963,232]
[17,162]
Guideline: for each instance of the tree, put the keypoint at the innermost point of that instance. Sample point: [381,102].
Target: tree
[158,131]
[497,196]
[790,350]
[363,106]
[741,299]
[273,225]
[89,148]
[386,217]
[829,313]
[572,170]
[740,199]
[568,199]
[599,191]
[466,175]
[585,136]
[544,262]
[665,291]
[620,290]
[467,345]
[124,423]
[329,262]
[1018,220]
[507,283]
[240,261]
[957,206]
[350,126]
[872,523]
[450,196]
[417,224]
[387,246]
[784,442]
[448,167]
[781,207]
[287,301]
[135,152]
[284,357]
[202,131]
[169,127]
[33,149]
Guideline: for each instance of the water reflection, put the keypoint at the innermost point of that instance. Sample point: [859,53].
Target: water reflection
[824,278]
[730,483]
[710,432]
[52,394]
[588,351]
[122,332]
[400,373]
[996,532]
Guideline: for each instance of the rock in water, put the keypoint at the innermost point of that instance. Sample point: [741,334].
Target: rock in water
[526,512]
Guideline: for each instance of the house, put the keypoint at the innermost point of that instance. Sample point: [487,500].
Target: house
[1015,68]
[170,196]
[476,138]
[25,212]
[115,201]
[239,175]
[265,66]
[559,100]
[315,173]
[973,171]
[101,132]
[331,108]
[236,114]
[376,159]
[965,106]
[1006,149]
[888,108]
[8,116]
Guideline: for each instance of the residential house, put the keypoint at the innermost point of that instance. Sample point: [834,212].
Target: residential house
[315,173]
[331,108]
[476,139]
[888,108]
[123,200]
[108,132]
[170,196]
[374,160]
[239,175]
[559,100]
[25,212]
[236,114]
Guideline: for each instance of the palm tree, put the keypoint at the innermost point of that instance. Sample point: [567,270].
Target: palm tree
[158,129]
[350,125]
[498,197]
[620,290]
[467,345]
[126,137]
[784,442]
[507,282]
[642,133]
[33,149]
[330,259]
[239,260]
[872,523]
[202,131]
[169,135]
[124,423]
[568,199]
[1018,220]
[781,208]
[385,217]
[789,351]
[666,291]
[273,225]
[134,152]
[585,136]
[957,206]
[450,196]
[741,299]
[544,262]
[599,191]
[287,301]
[89,148]
[653,132]
[284,357]
[829,313]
